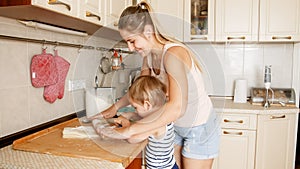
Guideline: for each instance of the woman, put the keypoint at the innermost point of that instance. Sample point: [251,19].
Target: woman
[196,126]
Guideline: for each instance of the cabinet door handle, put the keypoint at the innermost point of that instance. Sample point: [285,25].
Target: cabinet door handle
[231,38]
[281,37]
[277,117]
[233,121]
[57,2]
[89,14]
[116,23]
[233,133]
[200,38]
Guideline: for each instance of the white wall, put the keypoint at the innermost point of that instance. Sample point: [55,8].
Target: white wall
[241,60]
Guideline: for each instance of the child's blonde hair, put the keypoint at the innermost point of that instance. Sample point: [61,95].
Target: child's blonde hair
[148,88]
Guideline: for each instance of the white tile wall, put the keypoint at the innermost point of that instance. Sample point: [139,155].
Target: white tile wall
[227,62]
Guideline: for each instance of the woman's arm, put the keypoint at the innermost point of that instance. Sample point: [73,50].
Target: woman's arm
[177,67]
[112,110]
[156,132]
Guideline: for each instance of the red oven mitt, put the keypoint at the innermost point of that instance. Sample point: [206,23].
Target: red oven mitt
[43,70]
[52,92]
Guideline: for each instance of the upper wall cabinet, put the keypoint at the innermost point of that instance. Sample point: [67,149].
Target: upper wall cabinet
[92,11]
[198,20]
[279,20]
[67,7]
[237,20]
[76,15]
[169,14]
[114,8]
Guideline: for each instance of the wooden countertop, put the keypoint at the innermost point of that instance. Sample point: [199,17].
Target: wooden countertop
[49,144]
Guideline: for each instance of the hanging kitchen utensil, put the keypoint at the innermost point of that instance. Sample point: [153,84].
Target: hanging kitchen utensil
[43,69]
[105,67]
[116,61]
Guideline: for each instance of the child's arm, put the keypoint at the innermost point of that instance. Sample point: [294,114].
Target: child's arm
[125,118]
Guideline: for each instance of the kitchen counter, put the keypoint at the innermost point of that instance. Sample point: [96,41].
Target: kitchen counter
[227,105]
[47,149]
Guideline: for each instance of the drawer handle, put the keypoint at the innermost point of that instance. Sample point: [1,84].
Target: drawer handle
[89,14]
[231,38]
[281,37]
[200,38]
[233,133]
[233,121]
[57,2]
[277,117]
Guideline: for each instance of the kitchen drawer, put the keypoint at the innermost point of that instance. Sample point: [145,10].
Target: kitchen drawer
[238,121]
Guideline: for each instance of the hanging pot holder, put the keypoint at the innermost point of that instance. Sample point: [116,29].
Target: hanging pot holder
[43,70]
[52,92]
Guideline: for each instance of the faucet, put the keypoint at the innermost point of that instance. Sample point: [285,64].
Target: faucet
[267,103]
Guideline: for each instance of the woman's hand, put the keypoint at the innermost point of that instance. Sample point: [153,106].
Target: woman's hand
[115,133]
[108,113]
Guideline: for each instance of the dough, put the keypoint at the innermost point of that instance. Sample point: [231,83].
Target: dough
[81,132]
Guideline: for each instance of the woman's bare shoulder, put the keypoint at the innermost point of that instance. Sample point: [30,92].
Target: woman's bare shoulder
[179,52]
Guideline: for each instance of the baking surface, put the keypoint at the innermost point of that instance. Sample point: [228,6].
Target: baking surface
[50,141]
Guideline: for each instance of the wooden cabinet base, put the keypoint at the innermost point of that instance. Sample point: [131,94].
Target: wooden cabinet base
[136,163]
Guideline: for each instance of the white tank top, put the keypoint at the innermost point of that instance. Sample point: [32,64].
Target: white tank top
[199,104]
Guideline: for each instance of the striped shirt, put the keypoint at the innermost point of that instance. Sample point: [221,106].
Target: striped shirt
[160,152]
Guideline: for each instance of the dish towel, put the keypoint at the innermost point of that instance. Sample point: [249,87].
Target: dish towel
[54,91]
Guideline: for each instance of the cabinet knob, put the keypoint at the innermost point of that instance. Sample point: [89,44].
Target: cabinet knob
[57,2]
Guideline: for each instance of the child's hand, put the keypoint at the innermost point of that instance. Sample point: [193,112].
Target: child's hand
[122,121]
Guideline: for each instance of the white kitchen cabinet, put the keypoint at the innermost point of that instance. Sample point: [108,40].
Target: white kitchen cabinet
[169,14]
[237,147]
[92,11]
[279,20]
[114,8]
[67,7]
[199,20]
[276,142]
[237,20]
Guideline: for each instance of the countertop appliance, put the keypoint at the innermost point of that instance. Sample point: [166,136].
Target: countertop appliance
[279,96]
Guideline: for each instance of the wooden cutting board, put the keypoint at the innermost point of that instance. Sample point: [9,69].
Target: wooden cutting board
[50,141]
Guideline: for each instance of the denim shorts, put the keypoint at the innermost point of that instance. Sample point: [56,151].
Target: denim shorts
[200,142]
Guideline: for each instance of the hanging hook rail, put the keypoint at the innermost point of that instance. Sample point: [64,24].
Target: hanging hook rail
[56,43]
